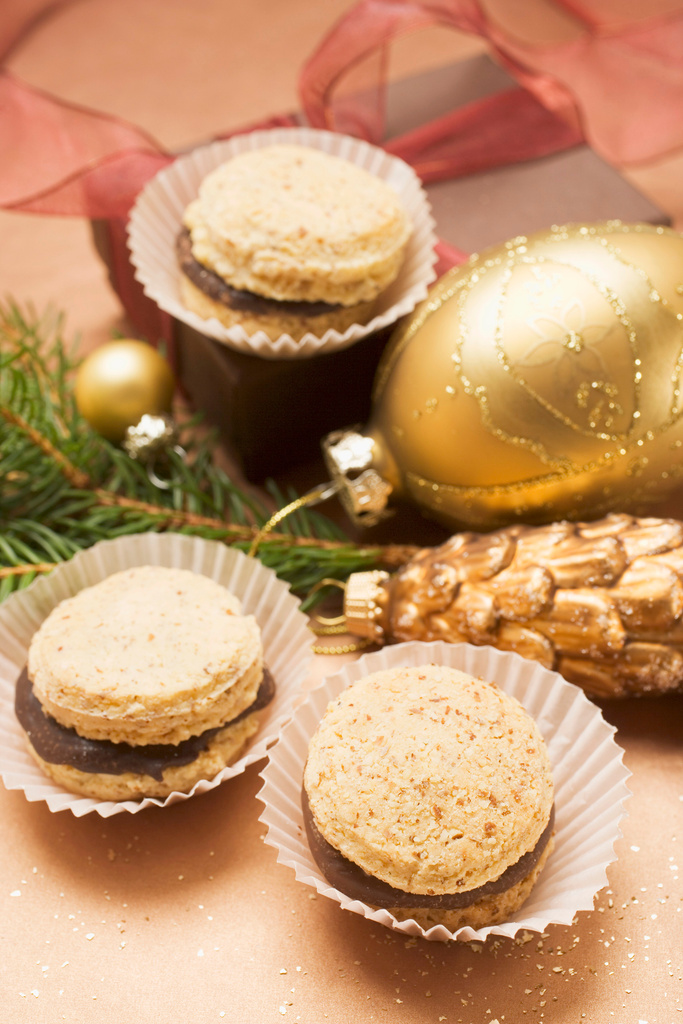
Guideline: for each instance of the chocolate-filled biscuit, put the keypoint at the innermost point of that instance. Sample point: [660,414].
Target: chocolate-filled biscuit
[288,239]
[142,684]
[429,793]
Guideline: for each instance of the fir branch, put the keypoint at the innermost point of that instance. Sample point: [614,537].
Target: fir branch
[72,474]
[63,488]
[7,571]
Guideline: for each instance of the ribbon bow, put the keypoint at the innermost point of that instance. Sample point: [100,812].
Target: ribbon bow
[620,87]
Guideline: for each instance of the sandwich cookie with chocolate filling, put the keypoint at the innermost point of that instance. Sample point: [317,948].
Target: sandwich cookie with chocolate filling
[142,685]
[289,239]
[429,793]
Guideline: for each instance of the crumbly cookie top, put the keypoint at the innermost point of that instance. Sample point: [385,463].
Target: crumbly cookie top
[298,224]
[148,655]
[429,779]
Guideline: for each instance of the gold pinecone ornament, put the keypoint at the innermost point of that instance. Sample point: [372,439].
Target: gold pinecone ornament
[539,381]
[599,602]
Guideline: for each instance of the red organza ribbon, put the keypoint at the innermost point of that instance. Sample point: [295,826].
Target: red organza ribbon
[620,80]
[619,85]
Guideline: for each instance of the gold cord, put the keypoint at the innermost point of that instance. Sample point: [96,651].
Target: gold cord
[323,630]
[357,645]
[311,498]
[327,626]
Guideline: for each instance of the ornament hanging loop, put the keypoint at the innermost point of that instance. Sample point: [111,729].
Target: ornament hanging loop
[326,625]
[335,625]
[164,485]
[356,645]
[332,626]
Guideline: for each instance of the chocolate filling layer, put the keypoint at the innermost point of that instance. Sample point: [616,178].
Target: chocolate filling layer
[350,879]
[57,744]
[219,290]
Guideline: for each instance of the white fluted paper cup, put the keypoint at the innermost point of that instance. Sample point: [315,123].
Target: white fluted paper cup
[284,629]
[588,772]
[156,219]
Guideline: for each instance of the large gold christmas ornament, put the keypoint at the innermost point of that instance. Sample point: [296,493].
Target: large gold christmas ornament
[539,381]
[120,382]
[601,602]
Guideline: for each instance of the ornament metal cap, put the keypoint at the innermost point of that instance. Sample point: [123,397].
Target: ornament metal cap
[150,439]
[363,492]
[363,604]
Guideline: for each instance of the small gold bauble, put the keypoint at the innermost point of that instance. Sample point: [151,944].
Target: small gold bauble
[541,380]
[121,381]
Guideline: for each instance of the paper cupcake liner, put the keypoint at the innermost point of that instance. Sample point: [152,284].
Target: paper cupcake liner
[284,628]
[156,220]
[588,771]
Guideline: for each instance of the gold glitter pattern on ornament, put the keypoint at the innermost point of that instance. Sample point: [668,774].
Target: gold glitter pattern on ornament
[480,392]
[513,498]
[444,290]
[654,295]
[568,335]
[675,381]
[599,398]
[574,343]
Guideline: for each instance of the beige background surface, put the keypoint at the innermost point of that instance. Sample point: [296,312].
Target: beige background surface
[183,915]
